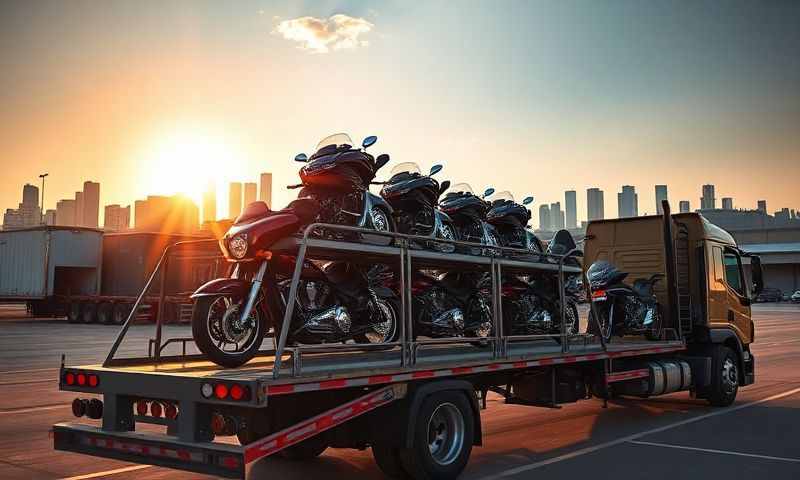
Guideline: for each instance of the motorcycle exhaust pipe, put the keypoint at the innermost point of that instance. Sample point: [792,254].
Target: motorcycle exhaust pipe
[324,322]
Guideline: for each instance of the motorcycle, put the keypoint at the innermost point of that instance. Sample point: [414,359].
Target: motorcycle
[414,198]
[335,301]
[510,219]
[468,212]
[621,309]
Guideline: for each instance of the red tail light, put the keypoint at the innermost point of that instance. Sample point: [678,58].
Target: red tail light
[93,380]
[81,379]
[239,392]
[599,295]
[171,411]
[141,408]
[156,409]
[221,391]
[69,378]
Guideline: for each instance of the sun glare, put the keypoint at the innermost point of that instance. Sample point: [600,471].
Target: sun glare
[187,163]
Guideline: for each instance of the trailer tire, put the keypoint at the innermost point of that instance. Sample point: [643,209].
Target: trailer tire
[724,376]
[307,449]
[447,415]
[388,460]
[89,312]
[74,312]
[105,313]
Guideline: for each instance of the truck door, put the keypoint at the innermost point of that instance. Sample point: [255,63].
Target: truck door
[729,301]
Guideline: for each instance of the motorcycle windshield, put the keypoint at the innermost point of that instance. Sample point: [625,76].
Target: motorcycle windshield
[405,167]
[461,188]
[505,195]
[337,139]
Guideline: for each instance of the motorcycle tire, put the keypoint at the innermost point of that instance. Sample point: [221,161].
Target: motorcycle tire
[208,345]
[394,305]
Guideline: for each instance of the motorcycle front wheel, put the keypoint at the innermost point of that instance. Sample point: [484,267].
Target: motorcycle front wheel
[220,333]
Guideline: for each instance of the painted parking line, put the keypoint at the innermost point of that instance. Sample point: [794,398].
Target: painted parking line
[711,450]
[635,436]
[107,472]
[16,411]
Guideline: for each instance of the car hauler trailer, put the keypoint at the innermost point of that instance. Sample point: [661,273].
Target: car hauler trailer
[417,404]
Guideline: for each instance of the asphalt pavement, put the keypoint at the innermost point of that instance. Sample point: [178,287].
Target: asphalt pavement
[665,437]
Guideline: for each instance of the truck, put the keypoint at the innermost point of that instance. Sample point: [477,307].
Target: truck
[417,403]
[91,276]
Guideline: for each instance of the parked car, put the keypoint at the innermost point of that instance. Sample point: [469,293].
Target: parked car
[796,297]
[770,295]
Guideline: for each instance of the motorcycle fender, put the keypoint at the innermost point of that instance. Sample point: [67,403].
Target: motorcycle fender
[234,287]
[376,201]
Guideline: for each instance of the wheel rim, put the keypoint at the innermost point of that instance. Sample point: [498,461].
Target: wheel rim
[730,375]
[225,327]
[572,321]
[445,434]
[447,232]
[382,332]
[380,222]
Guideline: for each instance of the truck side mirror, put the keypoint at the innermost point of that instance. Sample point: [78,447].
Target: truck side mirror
[758,274]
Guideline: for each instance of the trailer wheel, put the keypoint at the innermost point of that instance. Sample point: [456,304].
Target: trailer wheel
[307,449]
[724,376]
[442,442]
[89,312]
[388,460]
[74,312]
[120,313]
[105,313]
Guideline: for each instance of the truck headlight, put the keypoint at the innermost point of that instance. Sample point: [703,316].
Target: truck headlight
[237,246]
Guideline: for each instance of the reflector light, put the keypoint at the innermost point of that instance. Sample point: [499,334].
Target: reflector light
[221,390]
[69,378]
[141,408]
[207,390]
[94,380]
[598,295]
[237,392]
[81,379]
[155,409]
[171,411]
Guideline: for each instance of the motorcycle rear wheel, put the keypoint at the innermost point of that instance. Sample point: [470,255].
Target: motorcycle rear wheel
[387,331]
[211,332]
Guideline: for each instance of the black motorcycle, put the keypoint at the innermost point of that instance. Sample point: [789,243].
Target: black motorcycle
[335,301]
[620,309]
[468,212]
[510,219]
[415,198]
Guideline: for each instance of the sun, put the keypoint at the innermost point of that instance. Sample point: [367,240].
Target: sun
[188,162]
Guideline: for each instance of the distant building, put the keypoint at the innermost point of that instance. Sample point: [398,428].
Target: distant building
[265,195]
[176,214]
[762,206]
[556,216]
[684,206]
[544,218]
[27,213]
[91,204]
[783,215]
[116,218]
[250,193]
[571,207]
[210,203]
[727,203]
[661,195]
[708,201]
[65,212]
[595,205]
[234,200]
[50,217]
[78,209]
[628,202]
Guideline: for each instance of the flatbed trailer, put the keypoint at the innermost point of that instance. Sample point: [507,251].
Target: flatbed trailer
[416,403]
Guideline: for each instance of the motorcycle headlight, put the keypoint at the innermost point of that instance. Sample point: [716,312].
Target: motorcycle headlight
[237,246]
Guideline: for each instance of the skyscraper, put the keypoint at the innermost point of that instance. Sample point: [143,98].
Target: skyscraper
[65,212]
[571,207]
[50,217]
[78,209]
[116,218]
[661,194]
[27,213]
[265,195]
[234,200]
[708,201]
[685,207]
[210,203]
[176,214]
[595,205]
[556,216]
[727,203]
[250,193]
[91,204]
[762,206]
[544,218]
[627,202]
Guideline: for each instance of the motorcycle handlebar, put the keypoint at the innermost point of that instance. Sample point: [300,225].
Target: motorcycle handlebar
[292,187]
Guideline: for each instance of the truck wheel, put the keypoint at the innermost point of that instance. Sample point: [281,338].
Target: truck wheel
[74,312]
[89,312]
[105,313]
[388,460]
[120,313]
[724,376]
[442,442]
[307,449]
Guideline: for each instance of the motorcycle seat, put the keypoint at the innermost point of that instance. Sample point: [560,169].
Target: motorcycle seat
[643,287]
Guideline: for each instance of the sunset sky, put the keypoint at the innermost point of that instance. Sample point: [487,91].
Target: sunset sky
[535,97]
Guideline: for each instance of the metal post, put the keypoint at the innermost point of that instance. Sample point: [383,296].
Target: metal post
[412,357]
[160,312]
[287,316]
[41,209]
[563,309]
[403,309]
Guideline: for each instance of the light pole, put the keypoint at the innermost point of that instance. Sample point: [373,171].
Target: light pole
[41,211]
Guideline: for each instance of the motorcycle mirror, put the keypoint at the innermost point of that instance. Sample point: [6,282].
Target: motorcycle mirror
[435,169]
[301,157]
[444,186]
[488,192]
[369,141]
[527,200]
[382,160]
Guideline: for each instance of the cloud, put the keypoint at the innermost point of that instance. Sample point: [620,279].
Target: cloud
[319,35]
